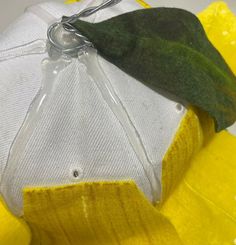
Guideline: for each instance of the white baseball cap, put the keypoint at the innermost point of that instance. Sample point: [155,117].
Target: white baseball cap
[77,137]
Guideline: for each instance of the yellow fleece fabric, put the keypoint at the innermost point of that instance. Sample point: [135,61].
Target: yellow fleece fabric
[13,231]
[95,213]
[202,205]
[198,205]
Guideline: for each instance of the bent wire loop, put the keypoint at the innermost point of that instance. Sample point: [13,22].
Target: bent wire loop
[67,22]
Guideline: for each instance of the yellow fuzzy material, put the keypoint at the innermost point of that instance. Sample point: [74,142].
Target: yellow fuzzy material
[198,204]
[13,231]
[95,213]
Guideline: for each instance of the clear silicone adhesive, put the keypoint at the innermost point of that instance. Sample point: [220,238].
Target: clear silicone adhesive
[38,46]
[89,57]
[50,69]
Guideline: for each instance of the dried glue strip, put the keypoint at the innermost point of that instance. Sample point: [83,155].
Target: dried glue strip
[51,70]
[38,46]
[89,57]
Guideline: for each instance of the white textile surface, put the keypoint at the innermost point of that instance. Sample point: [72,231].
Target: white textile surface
[77,130]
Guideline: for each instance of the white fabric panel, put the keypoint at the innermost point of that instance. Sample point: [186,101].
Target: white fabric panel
[154,116]
[18,83]
[77,130]
[27,28]
[17,90]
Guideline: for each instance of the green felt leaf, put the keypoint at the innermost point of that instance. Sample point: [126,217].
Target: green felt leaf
[168,50]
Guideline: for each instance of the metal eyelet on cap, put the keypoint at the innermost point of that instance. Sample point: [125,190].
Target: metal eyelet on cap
[76,174]
[179,107]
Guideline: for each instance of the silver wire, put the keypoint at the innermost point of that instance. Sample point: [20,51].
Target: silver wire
[91,10]
[67,22]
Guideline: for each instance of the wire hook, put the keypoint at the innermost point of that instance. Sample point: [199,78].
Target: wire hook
[67,22]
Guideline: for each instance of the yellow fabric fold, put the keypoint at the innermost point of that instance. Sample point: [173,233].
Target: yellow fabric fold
[202,205]
[95,213]
[195,129]
[199,188]
[13,231]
